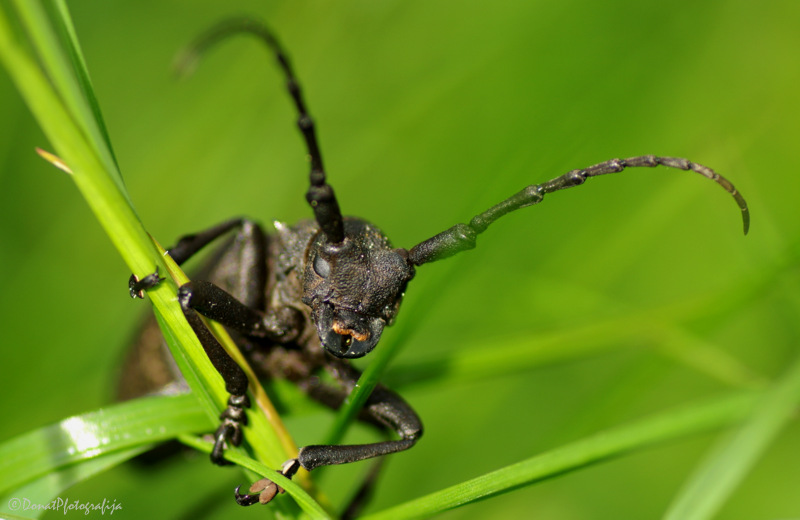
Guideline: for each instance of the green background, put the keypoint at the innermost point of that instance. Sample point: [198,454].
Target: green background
[429,112]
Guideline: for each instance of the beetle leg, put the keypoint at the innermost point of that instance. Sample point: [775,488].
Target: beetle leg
[233,417]
[246,253]
[333,397]
[281,325]
[383,408]
[242,268]
[387,408]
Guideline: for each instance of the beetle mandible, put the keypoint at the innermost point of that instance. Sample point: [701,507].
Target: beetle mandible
[311,296]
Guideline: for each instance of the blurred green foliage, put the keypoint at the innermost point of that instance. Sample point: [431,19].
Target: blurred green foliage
[632,293]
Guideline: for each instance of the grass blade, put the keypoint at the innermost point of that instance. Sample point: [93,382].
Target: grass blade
[717,477]
[54,41]
[81,437]
[56,99]
[591,450]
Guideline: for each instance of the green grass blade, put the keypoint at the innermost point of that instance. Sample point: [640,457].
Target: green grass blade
[596,448]
[109,203]
[79,65]
[717,477]
[99,181]
[53,40]
[122,426]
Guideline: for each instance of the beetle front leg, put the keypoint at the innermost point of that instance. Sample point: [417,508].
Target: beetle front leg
[241,267]
[384,408]
[233,417]
[280,325]
[201,297]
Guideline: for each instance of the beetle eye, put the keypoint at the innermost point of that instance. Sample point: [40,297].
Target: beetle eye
[321,267]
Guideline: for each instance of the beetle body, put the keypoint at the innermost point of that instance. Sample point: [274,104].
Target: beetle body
[280,271]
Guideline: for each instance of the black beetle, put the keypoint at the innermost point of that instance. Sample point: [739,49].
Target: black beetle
[308,297]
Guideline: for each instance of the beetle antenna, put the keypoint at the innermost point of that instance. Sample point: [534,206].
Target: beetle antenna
[320,194]
[462,237]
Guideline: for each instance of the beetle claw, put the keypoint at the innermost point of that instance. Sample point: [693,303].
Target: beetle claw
[262,491]
[245,500]
[137,287]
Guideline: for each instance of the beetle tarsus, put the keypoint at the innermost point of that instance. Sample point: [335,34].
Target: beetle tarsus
[137,287]
[230,430]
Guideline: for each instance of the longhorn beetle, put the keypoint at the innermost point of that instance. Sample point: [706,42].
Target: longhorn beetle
[308,297]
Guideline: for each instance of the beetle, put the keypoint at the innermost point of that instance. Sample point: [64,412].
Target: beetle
[309,297]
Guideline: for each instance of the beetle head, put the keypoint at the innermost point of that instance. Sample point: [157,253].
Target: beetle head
[354,287]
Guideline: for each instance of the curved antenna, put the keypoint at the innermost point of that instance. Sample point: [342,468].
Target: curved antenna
[462,237]
[320,194]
